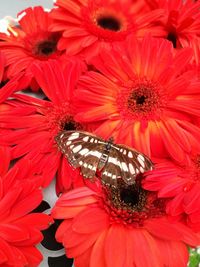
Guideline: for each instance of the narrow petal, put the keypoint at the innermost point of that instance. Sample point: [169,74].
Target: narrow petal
[98,251]
[115,246]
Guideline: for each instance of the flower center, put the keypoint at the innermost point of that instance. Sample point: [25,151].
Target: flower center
[109,23]
[42,45]
[70,125]
[129,197]
[46,48]
[143,100]
[59,119]
[195,170]
[3,83]
[172,38]
[131,205]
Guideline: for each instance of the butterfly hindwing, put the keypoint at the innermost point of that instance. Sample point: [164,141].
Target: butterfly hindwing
[112,169]
[133,163]
[90,161]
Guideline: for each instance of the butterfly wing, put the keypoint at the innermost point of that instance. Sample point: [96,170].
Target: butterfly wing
[82,150]
[131,162]
[112,169]
[86,151]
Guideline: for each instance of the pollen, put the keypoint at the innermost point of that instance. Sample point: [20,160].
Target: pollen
[60,118]
[107,23]
[131,205]
[143,100]
[195,168]
[42,45]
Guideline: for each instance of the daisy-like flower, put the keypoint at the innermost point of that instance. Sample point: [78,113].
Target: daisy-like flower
[180,23]
[142,97]
[89,25]
[181,184]
[20,228]
[122,227]
[31,124]
[29,42]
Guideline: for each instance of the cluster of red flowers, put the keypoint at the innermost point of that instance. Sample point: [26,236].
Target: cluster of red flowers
[121,68]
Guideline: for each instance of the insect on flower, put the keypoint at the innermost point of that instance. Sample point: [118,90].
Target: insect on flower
[93,154]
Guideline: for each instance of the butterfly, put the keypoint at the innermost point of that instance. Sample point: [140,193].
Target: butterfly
[93,154]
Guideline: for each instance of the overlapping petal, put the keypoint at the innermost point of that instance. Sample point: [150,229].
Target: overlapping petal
[20,229]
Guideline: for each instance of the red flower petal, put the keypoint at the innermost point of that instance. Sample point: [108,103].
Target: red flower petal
[115,246]
[94,220]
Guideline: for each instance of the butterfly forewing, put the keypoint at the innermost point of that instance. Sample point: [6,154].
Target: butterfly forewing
[81,150]
[131,163]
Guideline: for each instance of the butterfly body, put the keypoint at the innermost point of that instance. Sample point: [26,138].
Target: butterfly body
[93,154]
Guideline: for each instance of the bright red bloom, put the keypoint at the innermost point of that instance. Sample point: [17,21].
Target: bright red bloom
[29,42]
[142,97]
[20,229]
[32,123]
[126,227]
[90,25]
[180,23]
[182,185]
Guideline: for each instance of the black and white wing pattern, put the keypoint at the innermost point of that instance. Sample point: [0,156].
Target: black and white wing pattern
[131,163]
[91,153]
[82,150]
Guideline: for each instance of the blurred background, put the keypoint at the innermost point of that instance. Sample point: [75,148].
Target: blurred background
[12,7]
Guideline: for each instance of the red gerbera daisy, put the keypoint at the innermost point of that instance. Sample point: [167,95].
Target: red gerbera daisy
[20,229]
[180,23]
[122,227]
[142,97]
[32,123]
[182,185]
[29,42]
[89,25]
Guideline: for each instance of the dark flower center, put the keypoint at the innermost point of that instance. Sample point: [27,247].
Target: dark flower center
[109,23]
[3,83]
[70,125]
[140,100]
[59,119]
[46,48]
[129,197]
[172,38]
[143,99]
[131,205]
